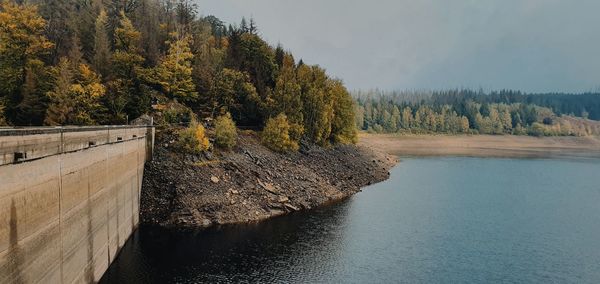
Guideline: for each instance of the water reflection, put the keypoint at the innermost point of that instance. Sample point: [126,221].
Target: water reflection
[272,251]
[443,220]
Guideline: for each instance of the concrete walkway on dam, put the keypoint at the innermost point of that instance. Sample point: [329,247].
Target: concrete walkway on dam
[69,199]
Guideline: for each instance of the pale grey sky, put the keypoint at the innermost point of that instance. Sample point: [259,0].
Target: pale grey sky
[531,45]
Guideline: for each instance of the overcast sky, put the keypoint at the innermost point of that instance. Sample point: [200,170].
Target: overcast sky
[531,45]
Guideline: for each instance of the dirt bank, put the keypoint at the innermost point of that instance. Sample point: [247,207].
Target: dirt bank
[250,183]
[483,145]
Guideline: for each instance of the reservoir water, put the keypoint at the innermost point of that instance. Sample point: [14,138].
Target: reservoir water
[439,220]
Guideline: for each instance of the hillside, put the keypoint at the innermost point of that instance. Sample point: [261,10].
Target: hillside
[251,182]
[109,62]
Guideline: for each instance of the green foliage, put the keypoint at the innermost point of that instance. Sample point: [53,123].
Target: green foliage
[536,129]
[127,93]
[22,43]
[232,92]
[247,52]
[343,129]
[209,54]
[116,60]
[2,116]
[177,116]
[287,96]
[193,139]
[102,53]
[519,130]
[464,111]
[276,135]
[225,132]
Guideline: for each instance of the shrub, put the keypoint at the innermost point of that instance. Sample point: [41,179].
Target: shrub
[519,130]
[296,131]
[276,135]
[177,116]
[536,129]
[225,131]
[193,139]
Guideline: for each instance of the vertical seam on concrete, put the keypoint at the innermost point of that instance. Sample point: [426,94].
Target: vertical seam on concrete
[107,190]
[137,181]
[118,189]
[138,186]
[60,185]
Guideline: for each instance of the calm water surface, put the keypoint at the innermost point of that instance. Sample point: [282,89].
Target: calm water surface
[443,220]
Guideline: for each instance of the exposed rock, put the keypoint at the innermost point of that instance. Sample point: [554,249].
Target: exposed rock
[292,207]
[268,187]
[266,183]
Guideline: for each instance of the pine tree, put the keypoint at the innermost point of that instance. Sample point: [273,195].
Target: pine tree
[506,120]
[343,129]
[61,102]
[406,118]
[22,43]
[232,92]
[102,54]
[244,25]
[496,123]
[127,93]
[287,95]
[279,55]
[464,124]
[62,25]
[251,54]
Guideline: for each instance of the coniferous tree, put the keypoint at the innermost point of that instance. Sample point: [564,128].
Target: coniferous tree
[232,92]
[22,43]
[287,95]
[76,96]
[102,53]
[127,95]
[343,129]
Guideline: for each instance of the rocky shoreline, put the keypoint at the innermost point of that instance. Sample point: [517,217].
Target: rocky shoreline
[251,183]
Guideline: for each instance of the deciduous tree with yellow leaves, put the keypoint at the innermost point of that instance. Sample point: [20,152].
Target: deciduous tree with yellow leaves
[22,43]
[174,73]
[75,98]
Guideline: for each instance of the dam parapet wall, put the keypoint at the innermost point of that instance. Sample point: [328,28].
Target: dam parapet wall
[69,199]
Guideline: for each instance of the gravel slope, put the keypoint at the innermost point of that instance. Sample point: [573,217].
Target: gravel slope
[251,183]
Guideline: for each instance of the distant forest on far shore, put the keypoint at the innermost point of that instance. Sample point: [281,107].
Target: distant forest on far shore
[478,112]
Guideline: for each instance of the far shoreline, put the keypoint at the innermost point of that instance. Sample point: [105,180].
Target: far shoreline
[482,146]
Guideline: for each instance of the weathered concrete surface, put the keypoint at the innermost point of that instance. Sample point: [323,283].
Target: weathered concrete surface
[69,199]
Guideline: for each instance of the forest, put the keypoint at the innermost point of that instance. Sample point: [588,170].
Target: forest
[81,62]
[478,112]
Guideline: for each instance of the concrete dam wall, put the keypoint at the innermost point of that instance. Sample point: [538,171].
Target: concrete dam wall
[69,199]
